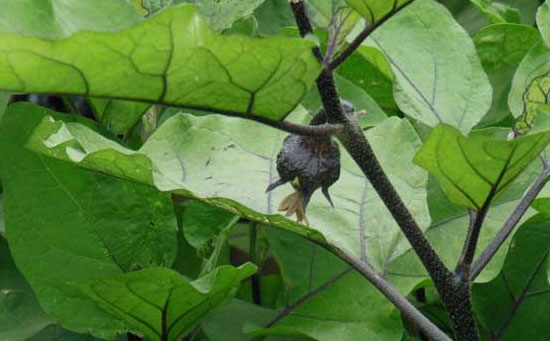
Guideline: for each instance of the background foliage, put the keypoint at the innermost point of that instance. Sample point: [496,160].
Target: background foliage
[128,209]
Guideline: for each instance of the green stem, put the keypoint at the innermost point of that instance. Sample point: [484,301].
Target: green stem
[253,251]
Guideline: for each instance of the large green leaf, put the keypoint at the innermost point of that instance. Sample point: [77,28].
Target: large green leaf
[206,157]
[543,21]
[161,303]
[57,19]
[20,315]
[65,223]
[470,170]
[437,79]
[374,10]
[173,58]
[520,291]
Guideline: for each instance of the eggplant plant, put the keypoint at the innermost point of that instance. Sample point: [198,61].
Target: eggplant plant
[403,145]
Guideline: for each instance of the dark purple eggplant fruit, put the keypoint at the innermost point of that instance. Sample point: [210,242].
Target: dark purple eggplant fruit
[308,163]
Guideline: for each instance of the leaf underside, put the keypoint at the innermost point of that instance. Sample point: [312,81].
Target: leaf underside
[173,58]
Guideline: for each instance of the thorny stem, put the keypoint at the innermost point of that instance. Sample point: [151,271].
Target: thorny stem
[510,224]
[455,297]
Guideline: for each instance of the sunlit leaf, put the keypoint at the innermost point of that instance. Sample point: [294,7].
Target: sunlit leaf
[470,170]
[437,79]
[67,224]
[206,157]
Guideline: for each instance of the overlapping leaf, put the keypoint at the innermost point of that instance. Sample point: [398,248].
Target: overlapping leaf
[206,157]
[161,303]
[173,58]
[66,224]
[470,170]
[437,79]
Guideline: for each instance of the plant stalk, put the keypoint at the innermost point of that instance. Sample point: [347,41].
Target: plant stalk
[456,298]
[253,252]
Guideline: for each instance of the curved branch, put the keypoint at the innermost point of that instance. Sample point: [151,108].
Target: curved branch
[510,224]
